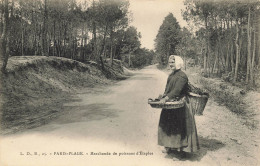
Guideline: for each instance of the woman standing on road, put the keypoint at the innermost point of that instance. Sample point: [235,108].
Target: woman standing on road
[177,129]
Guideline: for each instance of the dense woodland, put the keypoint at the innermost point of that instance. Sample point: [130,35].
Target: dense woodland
[222,36]
[81,30]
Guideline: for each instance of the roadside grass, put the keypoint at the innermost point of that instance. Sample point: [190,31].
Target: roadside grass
[226,94]
[231,97]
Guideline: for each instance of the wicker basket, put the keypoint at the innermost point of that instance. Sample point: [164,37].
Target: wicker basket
[198,102]
[168,105]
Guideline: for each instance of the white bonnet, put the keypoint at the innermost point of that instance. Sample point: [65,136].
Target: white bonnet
[178,61]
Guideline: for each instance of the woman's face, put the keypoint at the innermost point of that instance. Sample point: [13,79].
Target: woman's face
[172,64]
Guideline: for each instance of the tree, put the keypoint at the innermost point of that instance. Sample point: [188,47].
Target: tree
[131,42]
[227,28]
[4,45]
[105,18]
[197,11]
[167,38]
[64,27]
[187,46]
[113,17]
[239,13]
[44,31]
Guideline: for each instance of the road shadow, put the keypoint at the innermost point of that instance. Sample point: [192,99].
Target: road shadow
[88,112]
[142,78]
[58,113]
[32,116]
[205,146]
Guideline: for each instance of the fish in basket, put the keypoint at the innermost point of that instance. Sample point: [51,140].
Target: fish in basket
[171,104]
[198,99]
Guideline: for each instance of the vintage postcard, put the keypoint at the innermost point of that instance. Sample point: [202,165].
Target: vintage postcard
[129,82]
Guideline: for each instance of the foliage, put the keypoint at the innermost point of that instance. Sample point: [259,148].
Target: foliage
[82,30]
[131,40]
[140,58]
[226,37]
[168,38]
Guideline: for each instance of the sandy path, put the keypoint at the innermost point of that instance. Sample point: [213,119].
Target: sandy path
[118,122]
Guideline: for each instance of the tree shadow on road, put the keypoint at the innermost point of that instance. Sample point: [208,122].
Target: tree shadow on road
[31,116]
[205,146]
[88,112]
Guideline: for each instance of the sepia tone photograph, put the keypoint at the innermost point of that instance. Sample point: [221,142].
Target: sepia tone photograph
[129,82]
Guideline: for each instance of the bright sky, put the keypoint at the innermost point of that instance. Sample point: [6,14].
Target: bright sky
[148,16]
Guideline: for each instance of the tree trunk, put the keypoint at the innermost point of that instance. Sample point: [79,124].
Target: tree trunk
[228,56]
[248,48]
[1,17]
[94,56]
[237,52]
[4,48]
[40,40]
[218,59]
[64,46]
[102,49]
[111,47]
[54,38]
[252,80]
[227,59]
[35,33]
[95,41]
[111,54]
[207,46]
[215,64]
[129,60]
[71,42]
[222,60]
[22,41]
[12,9]
[257,30]
[105,50]
[59,40]
[48,43]
[81,44]
[185,61]
[232,58]
[44,48]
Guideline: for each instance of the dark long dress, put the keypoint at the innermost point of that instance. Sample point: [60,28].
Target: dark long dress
[177,128]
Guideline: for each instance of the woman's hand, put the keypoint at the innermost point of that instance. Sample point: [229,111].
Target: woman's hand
[164,100]
[160,97]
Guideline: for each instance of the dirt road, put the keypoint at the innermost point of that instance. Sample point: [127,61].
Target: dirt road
[115,126]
